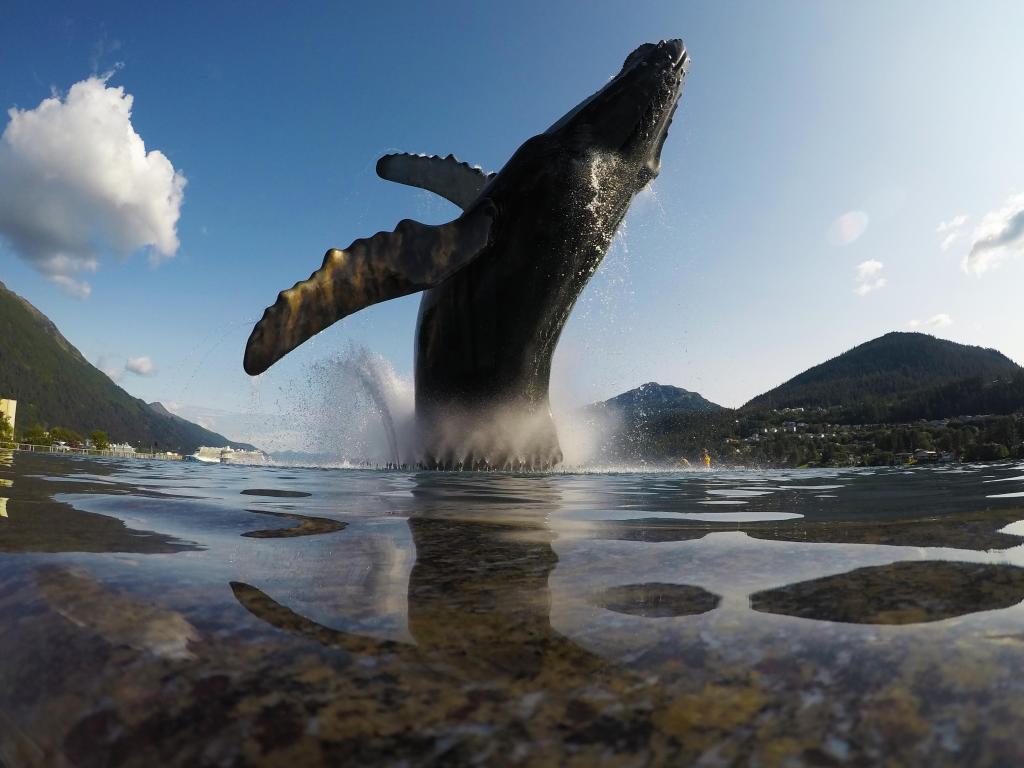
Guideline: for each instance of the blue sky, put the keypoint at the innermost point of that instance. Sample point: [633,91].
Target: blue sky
[817,151]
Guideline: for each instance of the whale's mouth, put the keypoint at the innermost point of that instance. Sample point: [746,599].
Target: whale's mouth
[652,128]
[631,114]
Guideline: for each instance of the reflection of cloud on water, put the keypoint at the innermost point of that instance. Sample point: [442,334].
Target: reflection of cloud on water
[575,524]
[118,618]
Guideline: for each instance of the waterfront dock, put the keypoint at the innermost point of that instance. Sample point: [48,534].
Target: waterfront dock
[65,450]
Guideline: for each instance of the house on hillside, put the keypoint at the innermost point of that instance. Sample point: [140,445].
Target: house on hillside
[9,408]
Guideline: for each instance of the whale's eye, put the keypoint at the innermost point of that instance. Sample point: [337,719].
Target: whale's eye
[640,54]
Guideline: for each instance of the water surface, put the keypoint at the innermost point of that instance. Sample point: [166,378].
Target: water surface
[157,613]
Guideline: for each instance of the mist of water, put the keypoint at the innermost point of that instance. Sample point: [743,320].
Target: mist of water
[355,410]
[359,411]
[377,379]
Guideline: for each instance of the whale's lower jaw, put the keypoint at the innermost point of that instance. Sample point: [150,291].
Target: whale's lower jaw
[509,437]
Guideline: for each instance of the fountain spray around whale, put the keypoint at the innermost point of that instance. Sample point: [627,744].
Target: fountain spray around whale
[500,280]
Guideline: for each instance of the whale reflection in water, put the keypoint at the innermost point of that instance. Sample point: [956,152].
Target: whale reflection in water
[478,597]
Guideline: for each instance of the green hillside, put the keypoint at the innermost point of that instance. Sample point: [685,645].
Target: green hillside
[881,400]
[56,386]
[886,369]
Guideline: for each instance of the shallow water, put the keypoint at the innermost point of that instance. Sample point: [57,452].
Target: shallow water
[156,613]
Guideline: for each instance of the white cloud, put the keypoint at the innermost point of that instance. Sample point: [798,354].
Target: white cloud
[998,236]
[951,231]
[868,269]
[941,320]
[142,366]
[848,228]
[76,179]
[77,288]
[865,288]
[953,224]
[869,277]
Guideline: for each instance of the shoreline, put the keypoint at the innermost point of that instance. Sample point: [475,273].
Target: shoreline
[65,450]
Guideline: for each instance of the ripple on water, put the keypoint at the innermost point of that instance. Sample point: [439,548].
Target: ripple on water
[739,517]
[737,492]
[657,600]
[307,526]
[810,487]
[275,493]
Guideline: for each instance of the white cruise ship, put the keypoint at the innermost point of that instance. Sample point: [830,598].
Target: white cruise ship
[228,455]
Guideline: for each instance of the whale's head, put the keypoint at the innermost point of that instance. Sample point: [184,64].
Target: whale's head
[630,116]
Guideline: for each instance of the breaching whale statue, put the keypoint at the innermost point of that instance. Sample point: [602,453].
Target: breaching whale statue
[499,281]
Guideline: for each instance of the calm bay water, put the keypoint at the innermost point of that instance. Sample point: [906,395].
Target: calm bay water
[155,613]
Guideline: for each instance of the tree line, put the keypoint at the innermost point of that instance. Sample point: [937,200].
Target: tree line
[776,439]
[37,435]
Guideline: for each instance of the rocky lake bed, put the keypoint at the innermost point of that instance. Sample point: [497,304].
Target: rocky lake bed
[159,613]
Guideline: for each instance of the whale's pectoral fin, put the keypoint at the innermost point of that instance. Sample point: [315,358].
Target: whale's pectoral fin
[412,258]
[446,176]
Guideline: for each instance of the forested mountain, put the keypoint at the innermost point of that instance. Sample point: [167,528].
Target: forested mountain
[897,394]
[963,397]
[652,399]
[624,421]
[886,369]
[56,386]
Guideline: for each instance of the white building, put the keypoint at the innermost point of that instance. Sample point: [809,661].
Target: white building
[9,408]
